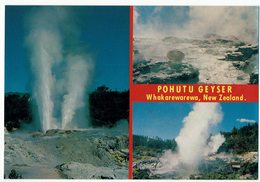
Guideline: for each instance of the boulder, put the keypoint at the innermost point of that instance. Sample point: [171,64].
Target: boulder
[175,56]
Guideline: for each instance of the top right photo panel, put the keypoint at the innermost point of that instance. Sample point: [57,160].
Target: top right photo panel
[195,45]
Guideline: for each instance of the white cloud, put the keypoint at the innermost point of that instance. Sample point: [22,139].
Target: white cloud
[243,120]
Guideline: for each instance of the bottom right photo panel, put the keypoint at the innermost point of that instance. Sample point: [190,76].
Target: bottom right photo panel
[195,140]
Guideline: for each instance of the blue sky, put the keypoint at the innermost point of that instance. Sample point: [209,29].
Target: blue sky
[166,15]
[165,119]
[104,30]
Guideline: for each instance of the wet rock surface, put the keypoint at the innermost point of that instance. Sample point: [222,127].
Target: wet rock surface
[211,59]
[67,154]
[242,53]
[75,170]
[165,72]
[232,166]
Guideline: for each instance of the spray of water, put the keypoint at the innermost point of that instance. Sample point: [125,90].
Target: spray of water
[192,141]
[77,75]
[61,76]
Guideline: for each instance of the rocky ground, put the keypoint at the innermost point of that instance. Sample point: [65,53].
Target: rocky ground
[212,59]
[217,166]
[69,154]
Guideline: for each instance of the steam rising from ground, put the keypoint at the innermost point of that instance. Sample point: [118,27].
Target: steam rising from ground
[61,71]
[192,141]
[195,21]
[77,75]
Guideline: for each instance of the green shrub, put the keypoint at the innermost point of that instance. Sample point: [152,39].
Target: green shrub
[108,107]
[14,175]
[17,110]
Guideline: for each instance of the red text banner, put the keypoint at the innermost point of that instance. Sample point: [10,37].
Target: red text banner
[194,93]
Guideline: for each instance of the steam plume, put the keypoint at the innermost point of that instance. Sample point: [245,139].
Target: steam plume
[60,75]
[196,21]
[215,142]
[192,143]
[78,70]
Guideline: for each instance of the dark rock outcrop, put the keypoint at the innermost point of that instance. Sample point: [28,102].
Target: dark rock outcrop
[253,78]
[242,53]
[165,72]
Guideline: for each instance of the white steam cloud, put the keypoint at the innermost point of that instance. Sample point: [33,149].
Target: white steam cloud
[61,75]
[78,70]
[192,141]
[213,145]
[243,120]
[238,21]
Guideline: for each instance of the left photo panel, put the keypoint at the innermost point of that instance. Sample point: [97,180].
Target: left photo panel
[66,92]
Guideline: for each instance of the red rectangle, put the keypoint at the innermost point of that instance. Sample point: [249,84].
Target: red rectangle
[130,163]
[194,93]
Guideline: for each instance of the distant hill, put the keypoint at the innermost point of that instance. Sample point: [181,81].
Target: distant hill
[240,140]
[155,142]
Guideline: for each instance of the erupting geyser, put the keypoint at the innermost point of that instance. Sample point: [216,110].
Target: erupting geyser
[77,81]
[61,72]
[192,142]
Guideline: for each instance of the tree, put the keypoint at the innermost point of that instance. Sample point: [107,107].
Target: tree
[14,175]
[244,139]
[17,110]
[108,107]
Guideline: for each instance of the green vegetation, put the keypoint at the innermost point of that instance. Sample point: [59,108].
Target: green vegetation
[154,143]
[250,168]
[146,147]
[14,175]
[244,139]
[141,174]
[240,142]
[215,175]
[107,107]
[247,171]
[17,110]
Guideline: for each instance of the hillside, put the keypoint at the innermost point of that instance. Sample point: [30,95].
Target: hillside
[67,154]
[237,158]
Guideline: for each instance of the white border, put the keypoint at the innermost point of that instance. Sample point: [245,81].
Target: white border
[3,3]
[134,2]
[2,52]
